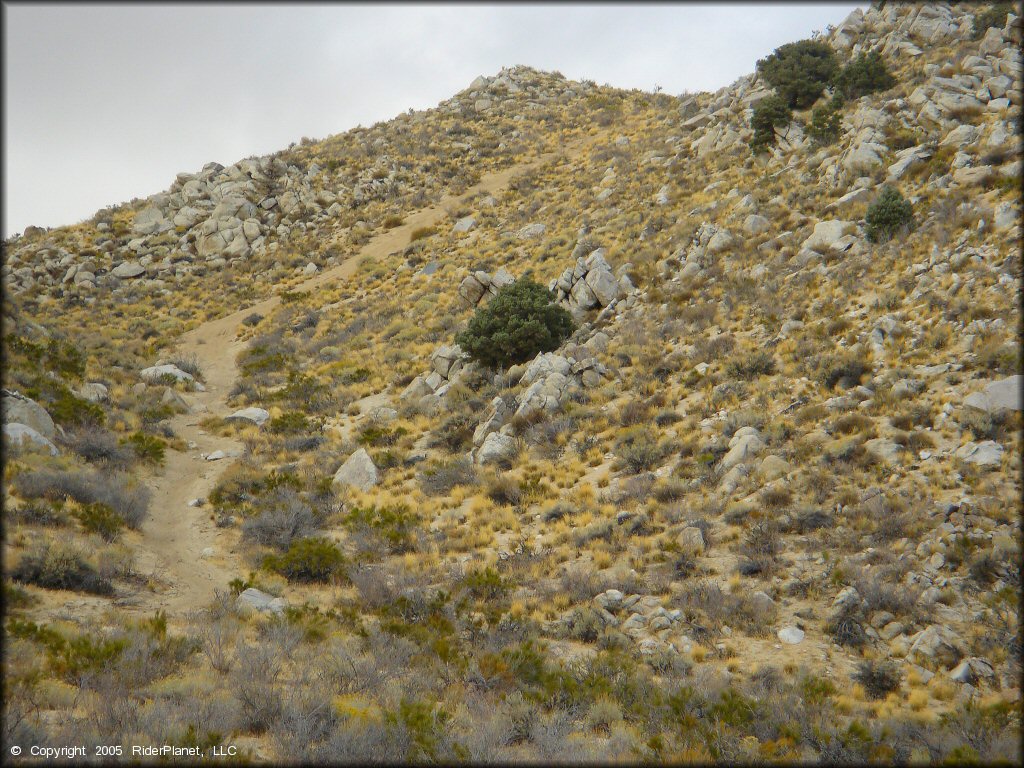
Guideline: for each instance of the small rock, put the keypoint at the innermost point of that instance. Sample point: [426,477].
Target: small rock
[260,601]
[791,635]
[257,416]
[358,471]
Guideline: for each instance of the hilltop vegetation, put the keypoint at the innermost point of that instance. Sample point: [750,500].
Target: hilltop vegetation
[681,429]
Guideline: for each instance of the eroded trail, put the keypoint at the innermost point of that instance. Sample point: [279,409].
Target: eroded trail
[186,556]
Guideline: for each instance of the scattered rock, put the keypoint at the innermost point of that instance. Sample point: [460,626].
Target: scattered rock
[791,635]
[254,599]
[257,416]
[153,374]
[971,670]
[998,396]
[358,471]
[987,454]
[24,437]
[94,392]
[496,448]
[128,270]
[937,645]
[18,409]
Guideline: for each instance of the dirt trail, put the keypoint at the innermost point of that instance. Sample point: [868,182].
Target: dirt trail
[173,539]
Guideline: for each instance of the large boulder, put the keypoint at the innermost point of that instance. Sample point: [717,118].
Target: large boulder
[18,409]
[128,270]
[603,285]
[531,231]
[464,224]
[755,224]
[496,448]
[471,290]
[94,392]
[827,234]
[253,599]
[154,373]
[358,471]
[23,437]
[150,221]
[864,158]
[745,444]
[447,360]
[998,396]
[257,416]
[936,645]
[987,454]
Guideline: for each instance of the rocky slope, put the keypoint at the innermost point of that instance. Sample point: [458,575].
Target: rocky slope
[760,505]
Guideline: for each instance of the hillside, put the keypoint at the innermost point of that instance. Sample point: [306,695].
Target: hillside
[760,504]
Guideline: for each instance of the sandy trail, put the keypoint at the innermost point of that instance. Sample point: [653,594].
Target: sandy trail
[174,537]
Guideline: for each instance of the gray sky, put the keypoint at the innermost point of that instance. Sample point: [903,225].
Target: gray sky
[106,103]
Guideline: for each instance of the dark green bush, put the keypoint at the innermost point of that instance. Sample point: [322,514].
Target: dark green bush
[769,114]
[865,74]
[486,584]
[844,365]
[100,446]
[879,678]
[439,479]
[393,525]
[639,452]
[52,566]
[750,366]
[147,448]
[825,126]
[308,560]
[130,502]
[517,324]
[993,16]
[67,409]
[888,215]
[282,517]
[290,423]
[799,71]
[101,519]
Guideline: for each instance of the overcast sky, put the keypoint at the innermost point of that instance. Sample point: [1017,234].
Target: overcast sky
[106,103]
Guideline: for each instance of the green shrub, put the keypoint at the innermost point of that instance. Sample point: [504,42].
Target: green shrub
[521,321]
[825,126]
[147,448]
[439,479]
[750,366]
[376,436]
[114,490]
[394,525]
[455,433]
[308,560]
[639,452]
[421,232]
[993,16]
[56,566]
[70,659]
[879,678]
[486,584]
[67,409]
[770,113]
[844,365]
[83,655]
[865,74]
[291,422]
[888,215]
[101,519]
[97,445]
[799,71]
